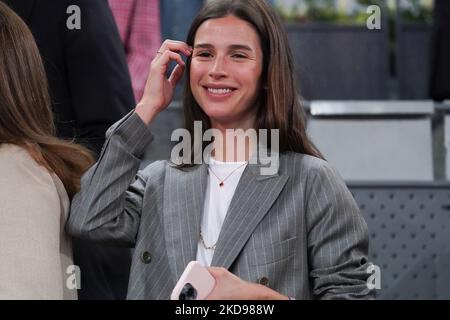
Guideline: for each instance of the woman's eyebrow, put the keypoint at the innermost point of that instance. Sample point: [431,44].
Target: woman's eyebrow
[230,47]
[203,46]
[240,47]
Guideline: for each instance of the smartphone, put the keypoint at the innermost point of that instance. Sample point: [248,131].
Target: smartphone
[196,283]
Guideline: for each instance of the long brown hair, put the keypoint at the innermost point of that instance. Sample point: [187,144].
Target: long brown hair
[278,102]
[26,118]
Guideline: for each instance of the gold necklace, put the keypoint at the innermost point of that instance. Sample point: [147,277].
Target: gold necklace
[222,181]
[202,240]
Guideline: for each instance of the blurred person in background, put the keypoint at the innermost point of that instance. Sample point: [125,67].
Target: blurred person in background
[139,28]
[39,174]
[440,64]
[90,89]
[176,18]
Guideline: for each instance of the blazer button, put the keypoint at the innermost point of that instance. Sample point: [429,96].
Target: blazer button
[146,257]
[263,281]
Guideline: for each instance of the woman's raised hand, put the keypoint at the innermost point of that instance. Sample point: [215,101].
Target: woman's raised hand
[159,89]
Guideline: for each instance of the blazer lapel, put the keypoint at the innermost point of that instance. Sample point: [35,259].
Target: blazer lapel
[184,194]
[254,196]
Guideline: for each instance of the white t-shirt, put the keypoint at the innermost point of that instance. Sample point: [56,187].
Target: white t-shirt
[217,201]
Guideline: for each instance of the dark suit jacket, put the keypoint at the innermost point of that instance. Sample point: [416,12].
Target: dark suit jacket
[440,55]
[90,89]
[88,77]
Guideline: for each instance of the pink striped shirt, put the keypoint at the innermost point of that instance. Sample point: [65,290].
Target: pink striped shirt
[138,22]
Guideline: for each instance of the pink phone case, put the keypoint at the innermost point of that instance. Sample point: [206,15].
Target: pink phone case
[196,283]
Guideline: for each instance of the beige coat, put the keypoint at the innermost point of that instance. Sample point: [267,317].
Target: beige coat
[35,252]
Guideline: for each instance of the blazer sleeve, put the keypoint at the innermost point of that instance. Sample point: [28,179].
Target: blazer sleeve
[337,239]
[97,72]
[108,207]
[30,228]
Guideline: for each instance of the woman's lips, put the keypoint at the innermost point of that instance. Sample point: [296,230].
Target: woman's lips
[219,92]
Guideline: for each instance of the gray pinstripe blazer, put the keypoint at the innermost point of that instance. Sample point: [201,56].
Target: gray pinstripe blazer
[300,229]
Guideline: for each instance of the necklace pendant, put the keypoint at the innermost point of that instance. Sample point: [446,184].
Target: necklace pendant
[221,184]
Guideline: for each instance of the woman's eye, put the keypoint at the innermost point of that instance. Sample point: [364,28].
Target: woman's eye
[239,55]
[204,54]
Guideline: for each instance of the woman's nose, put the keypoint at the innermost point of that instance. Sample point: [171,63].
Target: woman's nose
[218,68]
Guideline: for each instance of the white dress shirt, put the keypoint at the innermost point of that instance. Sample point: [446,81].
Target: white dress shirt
[217,201]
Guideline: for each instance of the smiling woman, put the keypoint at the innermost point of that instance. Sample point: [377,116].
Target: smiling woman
[226,69]
[295,232]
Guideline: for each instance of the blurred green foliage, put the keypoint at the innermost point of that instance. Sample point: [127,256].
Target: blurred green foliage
[350,12]
[416,10]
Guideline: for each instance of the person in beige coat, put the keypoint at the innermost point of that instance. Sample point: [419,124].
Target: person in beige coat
[39,174]
[35,252]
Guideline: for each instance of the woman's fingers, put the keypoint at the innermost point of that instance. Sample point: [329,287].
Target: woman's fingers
[168,56]
[175,46]
[176,75]
[161,64]
[171,50]
[159,90]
